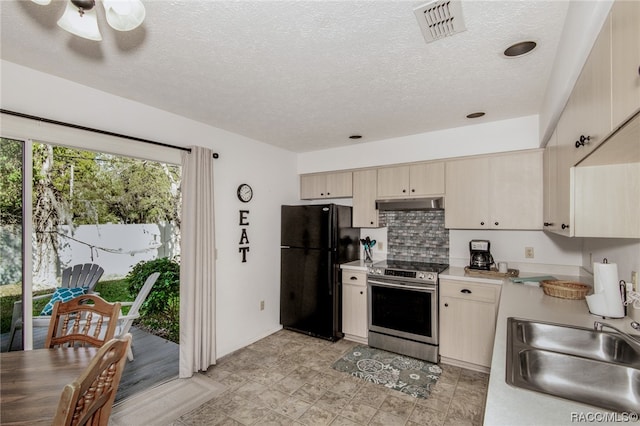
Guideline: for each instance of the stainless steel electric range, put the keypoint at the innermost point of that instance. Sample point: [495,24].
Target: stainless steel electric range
[403,307]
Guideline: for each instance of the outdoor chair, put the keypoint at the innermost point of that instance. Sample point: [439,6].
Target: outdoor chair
[84,276]
[125,321]
[89,399]
[87,320]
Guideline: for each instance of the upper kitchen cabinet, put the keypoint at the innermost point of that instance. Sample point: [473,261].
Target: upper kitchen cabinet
[365,214]
[562,155]
[549,180]
[606,187]
[416,180]
[326,185]
[496,192]
[625,57]
[590,106]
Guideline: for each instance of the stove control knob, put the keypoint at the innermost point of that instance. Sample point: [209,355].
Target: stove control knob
[421,275]
[431,277]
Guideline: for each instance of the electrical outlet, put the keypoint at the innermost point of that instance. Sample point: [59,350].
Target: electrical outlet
[262,305]
[380,246]
[528,253]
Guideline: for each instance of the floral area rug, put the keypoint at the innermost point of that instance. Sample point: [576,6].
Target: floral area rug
[407,375]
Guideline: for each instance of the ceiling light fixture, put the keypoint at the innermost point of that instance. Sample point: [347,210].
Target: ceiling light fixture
[80,17]
[519,49]
[475,115]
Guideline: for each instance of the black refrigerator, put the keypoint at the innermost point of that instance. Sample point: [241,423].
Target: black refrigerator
[315,240]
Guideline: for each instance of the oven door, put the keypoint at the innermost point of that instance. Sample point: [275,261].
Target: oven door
[403,310]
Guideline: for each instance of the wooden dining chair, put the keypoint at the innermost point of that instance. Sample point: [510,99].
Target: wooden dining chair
[84,276]
[87,320]
[89,399]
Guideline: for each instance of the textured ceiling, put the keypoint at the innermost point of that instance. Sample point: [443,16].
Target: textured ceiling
[303,75]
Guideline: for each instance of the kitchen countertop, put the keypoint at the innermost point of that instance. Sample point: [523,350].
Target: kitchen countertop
[356,265]
[508,405]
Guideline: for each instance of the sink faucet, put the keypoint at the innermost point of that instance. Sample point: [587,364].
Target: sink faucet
[597,325]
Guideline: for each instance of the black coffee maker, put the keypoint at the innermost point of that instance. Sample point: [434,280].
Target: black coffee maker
[480,256]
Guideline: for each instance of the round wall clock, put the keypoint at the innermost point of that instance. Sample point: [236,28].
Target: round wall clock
[245,193]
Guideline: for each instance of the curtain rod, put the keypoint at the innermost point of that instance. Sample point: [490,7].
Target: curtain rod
[102,132]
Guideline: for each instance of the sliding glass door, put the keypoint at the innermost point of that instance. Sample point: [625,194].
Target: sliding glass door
[15,243]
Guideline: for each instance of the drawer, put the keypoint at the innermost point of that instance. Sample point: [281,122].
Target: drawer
[471,291]
[354,277]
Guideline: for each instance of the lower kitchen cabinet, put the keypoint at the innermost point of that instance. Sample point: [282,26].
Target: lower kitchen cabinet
[468,313]
[354,306]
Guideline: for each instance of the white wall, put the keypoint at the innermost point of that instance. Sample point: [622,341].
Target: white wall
[623,252]
[498,136]
[269,170]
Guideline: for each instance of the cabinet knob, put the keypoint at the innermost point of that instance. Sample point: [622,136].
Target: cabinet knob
[496,223]
[322,193]
[361,293]
[328,193]
[582,141]
[446,305]
[565,226]
[482,223]
[413,190]
[353,278]
[465,291]
[548,224]
[404,190]
[372,222]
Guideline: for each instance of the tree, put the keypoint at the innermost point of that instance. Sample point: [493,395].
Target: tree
[11,182]
[10,211]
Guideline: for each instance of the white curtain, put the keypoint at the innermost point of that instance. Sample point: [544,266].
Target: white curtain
[197,263]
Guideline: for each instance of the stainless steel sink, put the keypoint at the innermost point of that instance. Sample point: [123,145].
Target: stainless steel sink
[581,364]
[577,341]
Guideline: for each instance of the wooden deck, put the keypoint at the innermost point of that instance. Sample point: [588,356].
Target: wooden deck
[155,362]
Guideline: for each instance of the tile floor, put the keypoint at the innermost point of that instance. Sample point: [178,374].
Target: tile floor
[287,379]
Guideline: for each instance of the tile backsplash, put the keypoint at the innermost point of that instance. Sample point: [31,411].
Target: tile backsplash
[416,235]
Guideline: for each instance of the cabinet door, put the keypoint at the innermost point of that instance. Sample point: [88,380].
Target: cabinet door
[625,46]
[467,330]
[592,95]
[354,309]
[365,214]
[467,194]
[566,157]
[339,185]
[515,191]
[549,182]
[312,186]
[607,200]
[393,181]
[426,179]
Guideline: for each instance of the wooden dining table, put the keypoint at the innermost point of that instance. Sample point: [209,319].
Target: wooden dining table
[31,382]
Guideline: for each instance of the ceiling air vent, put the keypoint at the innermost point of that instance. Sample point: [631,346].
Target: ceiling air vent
[440,19]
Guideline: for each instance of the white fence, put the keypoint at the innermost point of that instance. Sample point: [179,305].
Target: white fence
[117,248]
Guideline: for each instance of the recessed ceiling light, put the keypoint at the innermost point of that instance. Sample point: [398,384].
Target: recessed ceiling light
[519,49]
[475,115]
[355,136]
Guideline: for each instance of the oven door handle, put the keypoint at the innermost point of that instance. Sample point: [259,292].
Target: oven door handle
[410,287]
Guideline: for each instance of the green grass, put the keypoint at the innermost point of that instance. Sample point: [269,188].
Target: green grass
[111,291]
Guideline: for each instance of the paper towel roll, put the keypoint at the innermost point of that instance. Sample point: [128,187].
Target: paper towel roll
[605,284]
[604,274]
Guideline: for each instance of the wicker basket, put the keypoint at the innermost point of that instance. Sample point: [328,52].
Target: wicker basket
[565,289]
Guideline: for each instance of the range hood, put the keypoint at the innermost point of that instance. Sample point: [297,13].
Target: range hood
[410,204]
